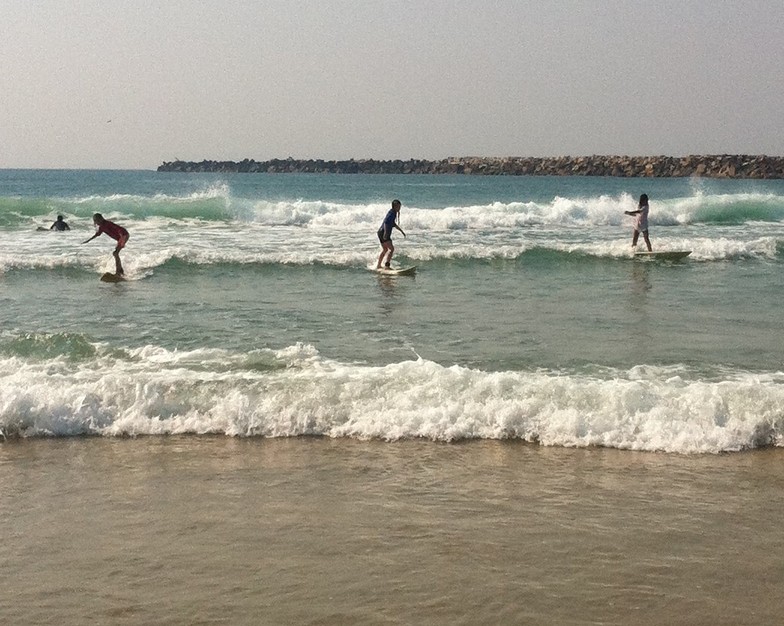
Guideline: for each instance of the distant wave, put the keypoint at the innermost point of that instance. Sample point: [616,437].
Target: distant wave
[734,209]
[560,211]
[217,204]
[61,385]
[213,203]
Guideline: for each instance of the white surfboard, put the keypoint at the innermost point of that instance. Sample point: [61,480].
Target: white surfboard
[667,255]
[399,271]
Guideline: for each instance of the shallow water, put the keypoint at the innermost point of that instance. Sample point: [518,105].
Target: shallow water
[188,530]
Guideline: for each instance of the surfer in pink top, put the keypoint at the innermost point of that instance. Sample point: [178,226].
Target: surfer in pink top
[116,232]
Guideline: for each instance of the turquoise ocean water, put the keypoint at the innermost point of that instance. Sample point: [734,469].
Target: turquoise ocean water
[249,310]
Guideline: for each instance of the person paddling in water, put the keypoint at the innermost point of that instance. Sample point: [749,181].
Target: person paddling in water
[116,232]
[385,234]
[60,224]
[641,225]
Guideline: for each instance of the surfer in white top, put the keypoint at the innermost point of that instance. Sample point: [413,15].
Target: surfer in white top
[641,225]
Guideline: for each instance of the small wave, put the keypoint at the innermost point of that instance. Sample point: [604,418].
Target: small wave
[597,211]
[218,203]
[74,347]
[211,204]
[727,209]
[175,254]
[295,392]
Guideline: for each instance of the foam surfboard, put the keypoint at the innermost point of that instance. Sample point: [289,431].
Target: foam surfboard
[399,271]
[667,255]
[108,277]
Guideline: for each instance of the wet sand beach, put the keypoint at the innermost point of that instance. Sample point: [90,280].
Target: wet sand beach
[215,530]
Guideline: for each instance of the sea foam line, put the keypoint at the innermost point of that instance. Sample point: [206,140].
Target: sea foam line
[296,392]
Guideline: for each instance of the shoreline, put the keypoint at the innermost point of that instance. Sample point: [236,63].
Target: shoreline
[707,166]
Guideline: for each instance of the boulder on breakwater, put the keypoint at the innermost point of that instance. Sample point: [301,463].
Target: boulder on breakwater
[707,166]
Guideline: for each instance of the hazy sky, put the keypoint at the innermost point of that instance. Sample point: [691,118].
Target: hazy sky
[124,84]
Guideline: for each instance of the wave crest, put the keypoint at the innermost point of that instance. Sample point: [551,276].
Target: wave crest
[296,392]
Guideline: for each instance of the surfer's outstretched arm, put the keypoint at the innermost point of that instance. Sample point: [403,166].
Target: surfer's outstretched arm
[91,238]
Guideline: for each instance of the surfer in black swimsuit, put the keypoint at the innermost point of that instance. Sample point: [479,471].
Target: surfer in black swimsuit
[59,224]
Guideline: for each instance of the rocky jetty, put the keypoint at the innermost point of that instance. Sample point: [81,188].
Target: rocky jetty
[707,166]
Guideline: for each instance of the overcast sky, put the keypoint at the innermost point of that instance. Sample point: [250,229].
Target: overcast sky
[124,84]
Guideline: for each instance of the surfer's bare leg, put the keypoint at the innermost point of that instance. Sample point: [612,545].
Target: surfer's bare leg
[386,247]
[117,264]
[647,241]
[635,236]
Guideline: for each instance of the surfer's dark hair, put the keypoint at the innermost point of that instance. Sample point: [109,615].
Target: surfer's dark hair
[644,199]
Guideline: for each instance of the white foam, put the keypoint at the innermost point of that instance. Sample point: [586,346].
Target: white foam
[293,392]
[155,242]
[496,215]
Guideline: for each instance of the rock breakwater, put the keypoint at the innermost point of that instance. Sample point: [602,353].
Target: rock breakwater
[708,166]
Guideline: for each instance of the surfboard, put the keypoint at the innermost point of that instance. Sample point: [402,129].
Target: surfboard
[108,277]
[400,271]
[667,255]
